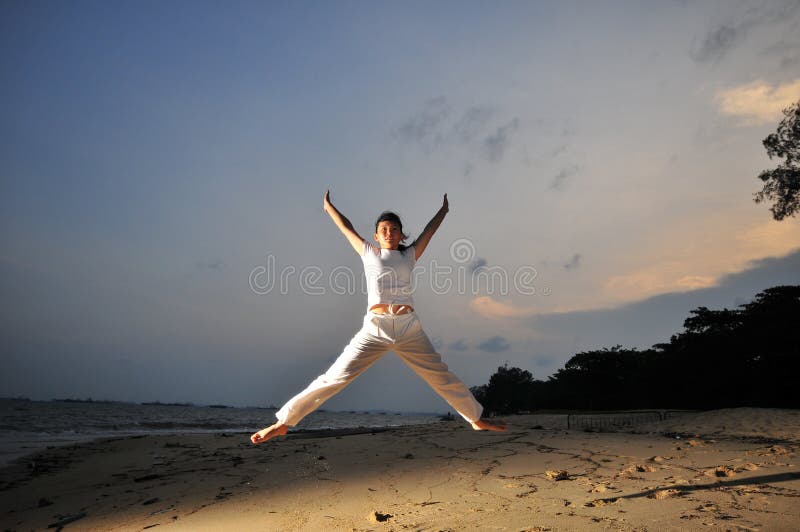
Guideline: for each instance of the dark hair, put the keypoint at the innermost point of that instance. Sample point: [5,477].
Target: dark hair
[389,216]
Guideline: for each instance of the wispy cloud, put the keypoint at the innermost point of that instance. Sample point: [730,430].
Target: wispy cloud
[426,126]
[497,142]
[561,177]
[718,42]
[758,102]
[439,124]
[574,262]
[479,262]
[458,345]
[724,37]
[495,344]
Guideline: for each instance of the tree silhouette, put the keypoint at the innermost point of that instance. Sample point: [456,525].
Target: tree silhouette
[749,356]
[782,184]
[509,391]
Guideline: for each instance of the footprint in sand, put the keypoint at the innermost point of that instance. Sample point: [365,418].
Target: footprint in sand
[721,472]
[707,507]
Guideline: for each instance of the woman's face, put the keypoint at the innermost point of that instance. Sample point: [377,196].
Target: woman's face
[388,235]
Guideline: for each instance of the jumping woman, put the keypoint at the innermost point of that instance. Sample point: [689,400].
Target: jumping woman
[390,324]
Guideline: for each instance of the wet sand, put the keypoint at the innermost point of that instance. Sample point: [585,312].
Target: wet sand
[723,470]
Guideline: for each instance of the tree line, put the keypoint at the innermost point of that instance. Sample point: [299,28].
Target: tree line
[748,356]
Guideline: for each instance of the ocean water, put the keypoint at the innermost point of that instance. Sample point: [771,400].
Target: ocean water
[27,426]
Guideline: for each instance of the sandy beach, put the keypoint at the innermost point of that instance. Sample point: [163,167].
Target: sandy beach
[723,470]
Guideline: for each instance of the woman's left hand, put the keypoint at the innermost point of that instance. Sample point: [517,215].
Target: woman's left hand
[445,204]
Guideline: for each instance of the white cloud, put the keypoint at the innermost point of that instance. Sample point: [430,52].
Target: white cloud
[489,308]
[693,282]
[758,102]
[688,258]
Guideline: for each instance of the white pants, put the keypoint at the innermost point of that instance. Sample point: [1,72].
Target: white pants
[380,333]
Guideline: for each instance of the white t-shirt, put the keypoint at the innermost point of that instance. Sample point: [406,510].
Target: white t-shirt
[388,274]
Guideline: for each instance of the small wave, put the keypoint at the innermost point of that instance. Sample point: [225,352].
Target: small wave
[166,425]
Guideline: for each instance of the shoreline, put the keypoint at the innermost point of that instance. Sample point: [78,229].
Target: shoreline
[30,426]
[442,475]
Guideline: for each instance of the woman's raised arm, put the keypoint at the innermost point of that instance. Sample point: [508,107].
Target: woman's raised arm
[422,240]
[342,223]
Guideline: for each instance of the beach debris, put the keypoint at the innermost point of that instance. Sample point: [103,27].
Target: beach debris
[377,517]
[778,449]
[639,468]
[67,520]
[664,494]
[557,475]
[597,503]
[163,510]
[150,501]
[409,456]
[151,526]
[321,457]
[44,502]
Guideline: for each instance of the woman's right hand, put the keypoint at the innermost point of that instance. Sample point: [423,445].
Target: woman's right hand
[342,223]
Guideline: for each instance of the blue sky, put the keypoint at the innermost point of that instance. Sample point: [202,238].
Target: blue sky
[154,156]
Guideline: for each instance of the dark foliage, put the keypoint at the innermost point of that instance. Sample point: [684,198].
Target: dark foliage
[723,358]
[782,184]
[508,390]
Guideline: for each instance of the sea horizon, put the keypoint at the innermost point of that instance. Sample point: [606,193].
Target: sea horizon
[28,425]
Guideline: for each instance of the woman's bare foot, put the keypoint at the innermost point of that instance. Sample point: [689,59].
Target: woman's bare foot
[496,425]
[278,429]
